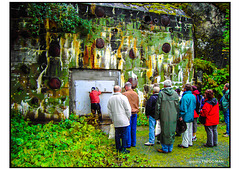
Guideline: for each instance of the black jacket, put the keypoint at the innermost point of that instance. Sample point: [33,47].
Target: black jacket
[151,103]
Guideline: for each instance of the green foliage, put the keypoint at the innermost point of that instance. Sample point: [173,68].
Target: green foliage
[226,32]
[65,16]
[69,143]
[213,78]
[206,66]
[142,120]
[216,81]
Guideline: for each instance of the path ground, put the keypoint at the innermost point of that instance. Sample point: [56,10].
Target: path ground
[195,156]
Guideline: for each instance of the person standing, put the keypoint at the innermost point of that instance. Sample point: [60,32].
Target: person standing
[166,110]
[179,96]
[196,93]
[225,106]
[95,102]
[150,113]
[187,106]
[119,110]
[134,103]
[179,93]
[210,110]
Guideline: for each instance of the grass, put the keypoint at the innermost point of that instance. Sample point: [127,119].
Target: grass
[196,156]
[74,143]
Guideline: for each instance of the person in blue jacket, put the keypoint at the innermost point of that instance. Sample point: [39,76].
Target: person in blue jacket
[187,106]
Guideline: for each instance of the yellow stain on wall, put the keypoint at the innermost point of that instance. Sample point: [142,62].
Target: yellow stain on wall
[76,45]
[107,57]
[150,67]
[135,46]
[122,80]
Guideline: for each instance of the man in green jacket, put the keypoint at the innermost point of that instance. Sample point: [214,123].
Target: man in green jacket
[166,110]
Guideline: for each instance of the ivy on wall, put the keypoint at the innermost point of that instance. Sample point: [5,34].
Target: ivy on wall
[65,16]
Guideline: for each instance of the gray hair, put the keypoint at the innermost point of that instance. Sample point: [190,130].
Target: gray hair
[128,84]
[156,89]
[227,85]
[117,88]
[167,83]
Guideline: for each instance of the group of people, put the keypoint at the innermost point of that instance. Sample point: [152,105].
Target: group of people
[168,106]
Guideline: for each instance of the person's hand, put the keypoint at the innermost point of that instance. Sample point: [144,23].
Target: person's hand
[180,119]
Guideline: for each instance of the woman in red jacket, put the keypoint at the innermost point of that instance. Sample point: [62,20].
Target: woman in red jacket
[210,110]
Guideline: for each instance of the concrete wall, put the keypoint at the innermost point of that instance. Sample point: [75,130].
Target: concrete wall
[146,46]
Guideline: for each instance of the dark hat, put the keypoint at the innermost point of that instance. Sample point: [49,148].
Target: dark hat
[93,88]
[178,90]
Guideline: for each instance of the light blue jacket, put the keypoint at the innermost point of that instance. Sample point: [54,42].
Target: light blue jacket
[225,101]
[187,106]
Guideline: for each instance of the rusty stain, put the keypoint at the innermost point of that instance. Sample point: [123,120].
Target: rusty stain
[99,11]
[131,54]
[148,19]
[86,56]
[99,43]
[92,55]
[165,20]
[54,50]
[76,46]
[166,47]
[54,83]
[93,8]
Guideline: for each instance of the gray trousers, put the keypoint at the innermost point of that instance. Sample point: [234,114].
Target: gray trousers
[187,135]
[212,135]
[195,125]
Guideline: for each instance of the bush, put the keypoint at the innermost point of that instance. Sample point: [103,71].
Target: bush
[68,143]
[213,78]
[142,119]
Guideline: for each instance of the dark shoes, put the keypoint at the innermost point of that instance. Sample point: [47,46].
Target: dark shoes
[209,146]
[161,151]
[125,151]
[181,146]
[206,145]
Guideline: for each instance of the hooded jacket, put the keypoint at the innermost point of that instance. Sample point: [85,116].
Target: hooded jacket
[151,103]
[166,109]
[225,101]
[195,93]
[187,106]
[210,110]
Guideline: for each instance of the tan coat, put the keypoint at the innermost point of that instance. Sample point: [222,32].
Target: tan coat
[133,100]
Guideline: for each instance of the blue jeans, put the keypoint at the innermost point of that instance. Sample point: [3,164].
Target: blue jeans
[167,148]
[121,133]
[226,118]
[152,124]
[132,130]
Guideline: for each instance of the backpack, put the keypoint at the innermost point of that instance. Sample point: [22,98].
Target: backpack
[199,103]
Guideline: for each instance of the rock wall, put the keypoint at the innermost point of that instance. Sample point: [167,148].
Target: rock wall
[146,46]
[209,26]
